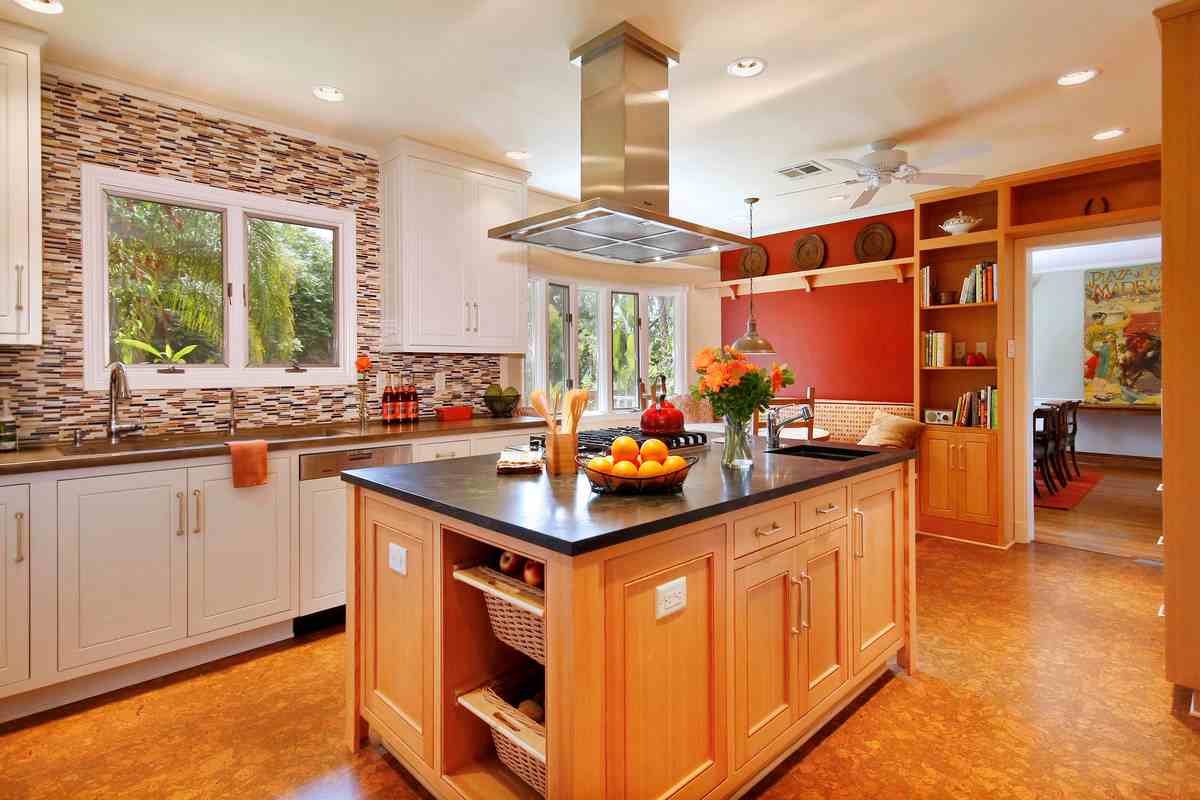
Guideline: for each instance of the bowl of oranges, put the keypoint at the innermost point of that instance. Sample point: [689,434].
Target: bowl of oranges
[630,469]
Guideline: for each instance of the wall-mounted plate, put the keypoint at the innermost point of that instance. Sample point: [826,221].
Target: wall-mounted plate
[753,262]
[809,252]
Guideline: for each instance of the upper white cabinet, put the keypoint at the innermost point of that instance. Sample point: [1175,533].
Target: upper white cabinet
[448,287]
[21,189]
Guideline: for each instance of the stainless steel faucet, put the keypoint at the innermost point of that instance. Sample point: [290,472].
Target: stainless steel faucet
[118,390]
[776,424]
[233,423]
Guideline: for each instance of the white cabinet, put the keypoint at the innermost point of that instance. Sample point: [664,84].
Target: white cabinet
[440,451]
[239,547]
[322,544]
[154,557]
[122,564]
[21,186]
[14,584]
[448,287]
[488,445]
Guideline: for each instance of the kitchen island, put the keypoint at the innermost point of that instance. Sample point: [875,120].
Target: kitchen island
[687,642]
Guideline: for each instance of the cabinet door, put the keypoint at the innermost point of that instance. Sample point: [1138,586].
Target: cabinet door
[877,573]
[498,273]
[437,244]
[239,547]
[322,544]
[665,684]
[122,564]
[441,451]
[397,597]
[977,480]
[938,476]
[14,584]
[824,655]
[14,211]
[765,661]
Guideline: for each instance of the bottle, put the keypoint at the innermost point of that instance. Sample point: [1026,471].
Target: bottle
[386,400]
[414,411]
[8,428]
[395,412]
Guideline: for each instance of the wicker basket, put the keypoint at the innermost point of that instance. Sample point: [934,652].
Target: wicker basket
[516,609]
[520,741]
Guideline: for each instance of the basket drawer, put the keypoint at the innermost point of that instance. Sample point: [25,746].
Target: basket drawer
[516,610]
[520,742]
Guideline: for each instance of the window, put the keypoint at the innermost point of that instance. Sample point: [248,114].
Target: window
[196,287]
[604,339]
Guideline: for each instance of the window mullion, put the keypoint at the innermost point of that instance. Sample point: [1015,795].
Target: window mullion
[236,308]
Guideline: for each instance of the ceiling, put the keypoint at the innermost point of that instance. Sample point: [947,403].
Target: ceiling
[1102,255]
[488,77]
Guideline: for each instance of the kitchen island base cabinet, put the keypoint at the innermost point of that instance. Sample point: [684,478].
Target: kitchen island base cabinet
[674,668]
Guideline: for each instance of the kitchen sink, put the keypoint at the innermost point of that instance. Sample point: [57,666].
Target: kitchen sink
[822,452]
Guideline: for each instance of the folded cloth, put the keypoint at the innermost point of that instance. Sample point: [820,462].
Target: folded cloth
[249,463]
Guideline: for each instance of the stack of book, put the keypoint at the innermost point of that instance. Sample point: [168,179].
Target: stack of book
[980,284]
[927,287]
[937,348]
[978,409]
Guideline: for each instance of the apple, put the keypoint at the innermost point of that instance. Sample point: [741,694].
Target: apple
[510,563]
[535,573]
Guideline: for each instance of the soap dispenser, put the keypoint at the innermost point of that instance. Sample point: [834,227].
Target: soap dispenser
[8,428]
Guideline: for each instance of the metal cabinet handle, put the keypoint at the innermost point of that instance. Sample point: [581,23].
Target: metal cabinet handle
[443,455]
[829,509]
[774,528]
[476,317]
[199,511]
[797,582]
[807,596]
[468,305]
[182,513]
[861,550]
[19,268]
[19,556]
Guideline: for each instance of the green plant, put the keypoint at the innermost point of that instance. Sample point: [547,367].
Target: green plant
[164,356]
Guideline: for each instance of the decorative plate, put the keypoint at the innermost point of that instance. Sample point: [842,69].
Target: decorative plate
[875,242]
[809,252]
[754,261]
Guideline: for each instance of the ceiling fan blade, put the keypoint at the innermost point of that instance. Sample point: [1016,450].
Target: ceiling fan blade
[845,163]
[823,186]
[952,154]
[866,197]
[944,179]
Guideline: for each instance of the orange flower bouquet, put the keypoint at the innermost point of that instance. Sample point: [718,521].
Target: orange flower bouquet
[736,389]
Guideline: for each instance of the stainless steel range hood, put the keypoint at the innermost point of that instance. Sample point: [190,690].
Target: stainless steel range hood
[624,216]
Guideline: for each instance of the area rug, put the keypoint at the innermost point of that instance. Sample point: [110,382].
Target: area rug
[1068,497]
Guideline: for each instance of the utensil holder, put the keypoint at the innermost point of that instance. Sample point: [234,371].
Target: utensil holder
[560,452]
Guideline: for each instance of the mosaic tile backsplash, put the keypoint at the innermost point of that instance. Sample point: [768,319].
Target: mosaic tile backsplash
[87,124]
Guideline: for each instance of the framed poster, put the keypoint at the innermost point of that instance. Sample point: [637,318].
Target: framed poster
[1122,337]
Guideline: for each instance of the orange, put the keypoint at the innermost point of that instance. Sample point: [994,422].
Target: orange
[624,469]
[650,469]
[601,464]
[654,450]
[624,448]
[674,463]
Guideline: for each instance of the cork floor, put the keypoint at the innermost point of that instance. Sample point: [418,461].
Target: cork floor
[1041,677]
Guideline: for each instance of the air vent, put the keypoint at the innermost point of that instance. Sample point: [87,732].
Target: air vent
[805,169]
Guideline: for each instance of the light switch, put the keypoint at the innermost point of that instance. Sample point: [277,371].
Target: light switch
[1012,348]
[398,558]
[670,598]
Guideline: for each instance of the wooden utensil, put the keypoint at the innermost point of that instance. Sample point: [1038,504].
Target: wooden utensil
[578,403]
[542,406]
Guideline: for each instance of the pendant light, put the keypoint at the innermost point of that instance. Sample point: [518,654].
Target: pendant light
[750,342]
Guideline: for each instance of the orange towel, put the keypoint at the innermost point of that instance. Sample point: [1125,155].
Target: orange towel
[249,463]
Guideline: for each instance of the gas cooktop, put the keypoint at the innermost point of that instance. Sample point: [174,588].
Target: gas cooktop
[598,440]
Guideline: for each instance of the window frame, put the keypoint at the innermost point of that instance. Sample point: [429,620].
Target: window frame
[604,344]
[98,182]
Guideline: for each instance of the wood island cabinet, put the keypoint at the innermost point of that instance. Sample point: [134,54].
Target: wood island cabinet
[680,665]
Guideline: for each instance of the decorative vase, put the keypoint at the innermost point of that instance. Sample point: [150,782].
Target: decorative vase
[739,449]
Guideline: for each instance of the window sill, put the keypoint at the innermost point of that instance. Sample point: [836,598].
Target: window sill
[149,378]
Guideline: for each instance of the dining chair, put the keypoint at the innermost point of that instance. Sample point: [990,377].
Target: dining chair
[1071,428]
[1061,467]
[1044,440]
[809,399]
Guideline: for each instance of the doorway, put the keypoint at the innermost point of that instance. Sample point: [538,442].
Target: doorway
[1091,402]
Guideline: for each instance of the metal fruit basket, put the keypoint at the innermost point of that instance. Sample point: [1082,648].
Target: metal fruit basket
[603,483]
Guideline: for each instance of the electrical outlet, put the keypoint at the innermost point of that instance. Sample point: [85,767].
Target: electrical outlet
[398,558]
[670,598]
[380,381]
[439,383]
[1012,348]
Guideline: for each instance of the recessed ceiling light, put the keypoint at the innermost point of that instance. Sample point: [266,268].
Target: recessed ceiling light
[746,67]
[517,155]
[42,6]
[1111,133]
[1078,77]
[838,197]
[715,248]
[330,94]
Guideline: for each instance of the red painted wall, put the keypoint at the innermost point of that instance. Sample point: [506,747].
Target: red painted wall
[850,342]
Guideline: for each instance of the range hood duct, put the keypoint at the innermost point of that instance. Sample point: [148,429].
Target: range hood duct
[624,174]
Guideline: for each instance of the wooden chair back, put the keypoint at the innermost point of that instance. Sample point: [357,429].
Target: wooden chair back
[809,399]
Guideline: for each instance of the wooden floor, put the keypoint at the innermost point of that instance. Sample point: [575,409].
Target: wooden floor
[1041,678]
[1121,516]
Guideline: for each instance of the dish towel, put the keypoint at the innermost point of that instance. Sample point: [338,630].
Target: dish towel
[249,463]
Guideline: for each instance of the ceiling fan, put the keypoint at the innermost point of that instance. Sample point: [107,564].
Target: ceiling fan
[885,164]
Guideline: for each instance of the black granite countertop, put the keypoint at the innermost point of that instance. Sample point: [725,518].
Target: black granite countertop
[562,513]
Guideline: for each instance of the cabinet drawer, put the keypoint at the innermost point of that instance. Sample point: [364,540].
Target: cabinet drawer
[439,451]
[487,445]
[763,529]
[822,508]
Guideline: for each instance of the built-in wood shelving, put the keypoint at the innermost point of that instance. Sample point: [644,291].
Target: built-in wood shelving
[962,240]
[958,305]
[957,368]
[895,269]
[1127,216]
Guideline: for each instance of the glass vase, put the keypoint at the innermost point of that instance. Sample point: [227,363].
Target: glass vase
[739,449]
